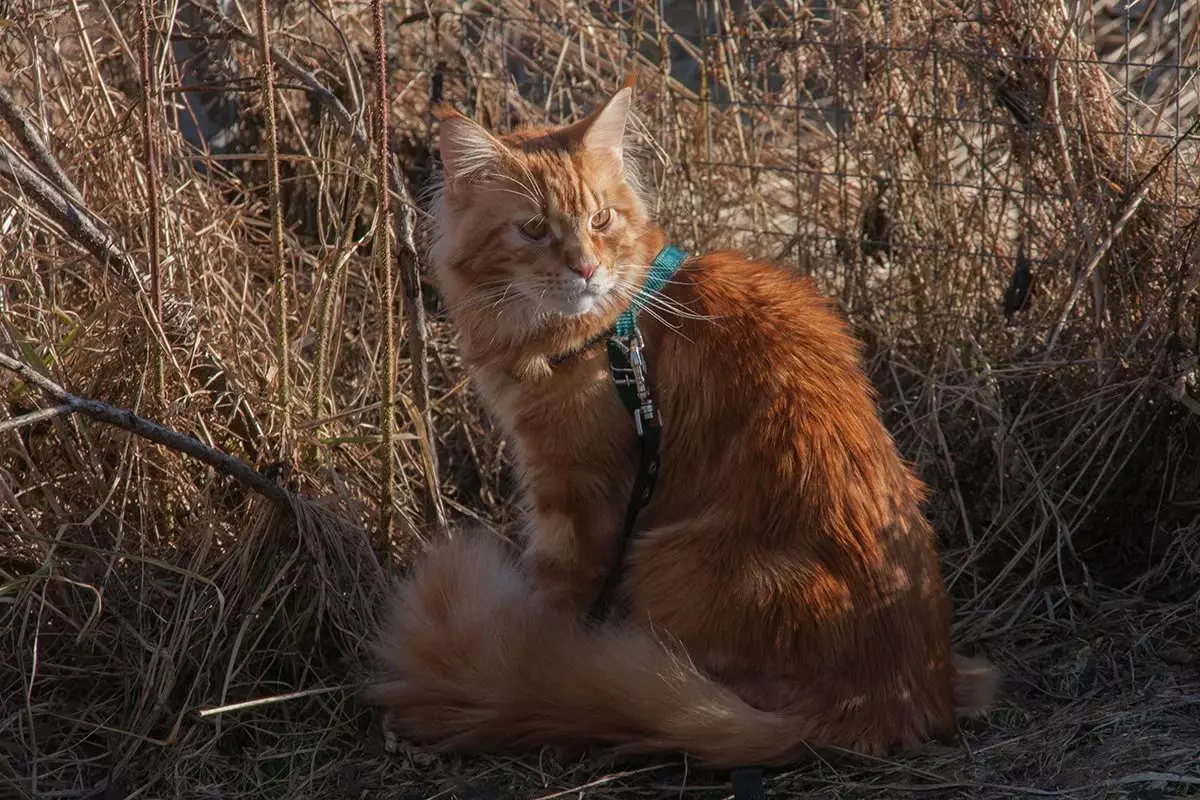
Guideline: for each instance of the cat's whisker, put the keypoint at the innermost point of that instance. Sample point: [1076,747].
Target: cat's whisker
[663,303]
[475,299]
[479,297]
[515,193]
[532,192]
[650,312]
[494,178]
[503,295]
[675,307]
[646,267]
[537,189]
[629,296]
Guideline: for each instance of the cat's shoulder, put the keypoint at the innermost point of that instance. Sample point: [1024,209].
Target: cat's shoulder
[732,277]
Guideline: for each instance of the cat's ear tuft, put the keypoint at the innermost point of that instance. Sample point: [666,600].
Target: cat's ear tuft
[467,149]
[606,130]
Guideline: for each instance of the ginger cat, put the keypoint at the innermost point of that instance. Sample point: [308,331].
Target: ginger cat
[781,591]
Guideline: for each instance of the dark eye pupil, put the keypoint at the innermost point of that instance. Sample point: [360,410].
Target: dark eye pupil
[534,229]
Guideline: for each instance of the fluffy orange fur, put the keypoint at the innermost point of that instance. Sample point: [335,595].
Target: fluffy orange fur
[782,591]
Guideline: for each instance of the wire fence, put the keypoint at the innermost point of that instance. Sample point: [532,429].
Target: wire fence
[931,163]
[1001,195]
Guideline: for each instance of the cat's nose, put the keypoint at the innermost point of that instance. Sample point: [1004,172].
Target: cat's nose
[585,269]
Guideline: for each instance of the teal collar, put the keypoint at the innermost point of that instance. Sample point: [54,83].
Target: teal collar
[626,361]
[665,264]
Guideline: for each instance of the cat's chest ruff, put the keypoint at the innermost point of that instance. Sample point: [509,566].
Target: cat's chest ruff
[557,399]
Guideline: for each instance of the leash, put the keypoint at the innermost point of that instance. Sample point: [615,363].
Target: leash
[627,364]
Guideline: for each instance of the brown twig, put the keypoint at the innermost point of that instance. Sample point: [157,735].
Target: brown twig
[281,297]
[1136,196]
[403,224]
[418,346]
[153,207]
[28,136]
[383,256]
[74,219]
[1127,213]
[320,92]
[329,292]
[147,429]
[62,206]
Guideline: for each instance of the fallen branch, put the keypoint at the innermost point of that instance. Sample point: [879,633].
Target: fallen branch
[28,136]
[64,205]
[147,429]
[68,214]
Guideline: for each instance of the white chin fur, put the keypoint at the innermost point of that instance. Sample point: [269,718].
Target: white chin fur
[581,304]
[574,302]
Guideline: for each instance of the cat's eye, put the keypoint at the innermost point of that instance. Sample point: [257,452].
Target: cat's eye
[602,219]
[535,230]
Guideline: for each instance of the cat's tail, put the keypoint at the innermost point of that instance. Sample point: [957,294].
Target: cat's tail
[484,667]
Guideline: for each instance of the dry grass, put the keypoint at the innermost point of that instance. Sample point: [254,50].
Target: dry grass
[911,158]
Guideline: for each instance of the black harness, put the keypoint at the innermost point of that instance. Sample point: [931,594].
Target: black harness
[627,365]
[628,369]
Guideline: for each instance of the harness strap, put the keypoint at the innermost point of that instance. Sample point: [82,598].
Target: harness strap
[627,365]
[649,460]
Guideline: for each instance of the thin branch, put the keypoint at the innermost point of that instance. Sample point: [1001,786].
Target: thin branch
[383,256]
[323,95]
[329,291]
[149,104]
[1127,213]
[1136,196]
[29,138]
[140,426]
[178,327]
[403,223]
[75,220]
[35,416]
[418,345]
[281,298]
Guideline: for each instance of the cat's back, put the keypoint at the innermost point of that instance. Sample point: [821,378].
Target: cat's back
[786,506]
[756,334]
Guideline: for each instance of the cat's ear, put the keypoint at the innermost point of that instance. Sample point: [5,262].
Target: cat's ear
[467,149]
[605,130]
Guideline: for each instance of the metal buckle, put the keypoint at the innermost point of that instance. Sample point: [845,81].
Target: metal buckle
[634,377]
[644,413]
